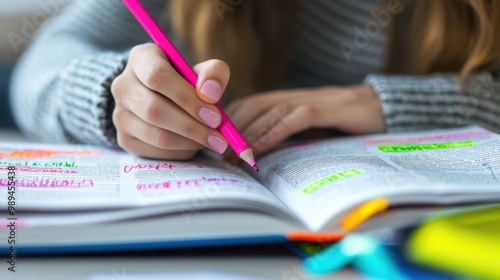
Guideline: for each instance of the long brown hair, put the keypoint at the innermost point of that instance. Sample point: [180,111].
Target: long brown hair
[446,35]
[455,36]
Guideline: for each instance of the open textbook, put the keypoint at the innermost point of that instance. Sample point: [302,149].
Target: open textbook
[67,196]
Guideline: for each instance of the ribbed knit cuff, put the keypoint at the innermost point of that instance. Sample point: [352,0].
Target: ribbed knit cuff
[412,103]
[86,81]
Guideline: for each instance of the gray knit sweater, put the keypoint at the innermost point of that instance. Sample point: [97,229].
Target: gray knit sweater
[61,86]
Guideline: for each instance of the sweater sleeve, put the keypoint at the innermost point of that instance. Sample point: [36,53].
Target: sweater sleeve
[60,89]
[438,101]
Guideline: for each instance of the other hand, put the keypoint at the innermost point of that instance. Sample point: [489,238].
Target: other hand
[267,119]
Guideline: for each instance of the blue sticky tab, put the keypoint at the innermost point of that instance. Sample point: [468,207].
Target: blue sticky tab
[378,265]
[365,253]
[328,260]
[370,257]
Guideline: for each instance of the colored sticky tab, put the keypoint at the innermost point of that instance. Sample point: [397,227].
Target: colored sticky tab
[466,243]
[314,237]
[363,212]
[328,260]
[372,259]
[365,253]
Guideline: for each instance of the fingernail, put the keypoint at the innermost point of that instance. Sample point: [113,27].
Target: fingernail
[210,117]
[218,144]
[212,89]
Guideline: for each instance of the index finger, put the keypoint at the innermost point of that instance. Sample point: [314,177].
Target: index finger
[155,72]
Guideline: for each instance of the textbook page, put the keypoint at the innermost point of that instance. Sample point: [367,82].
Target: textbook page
[50,177]
[321,180]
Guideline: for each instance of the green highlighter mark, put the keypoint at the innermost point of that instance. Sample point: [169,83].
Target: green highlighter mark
[332,178]
[401,148]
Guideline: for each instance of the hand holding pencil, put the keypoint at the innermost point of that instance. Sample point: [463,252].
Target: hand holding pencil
[159,115]
[164,109]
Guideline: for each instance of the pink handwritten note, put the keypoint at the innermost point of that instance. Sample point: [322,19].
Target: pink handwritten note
[158,166]
[179,184]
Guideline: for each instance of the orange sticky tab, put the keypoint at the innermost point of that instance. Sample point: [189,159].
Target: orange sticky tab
[363,212]
[314,237]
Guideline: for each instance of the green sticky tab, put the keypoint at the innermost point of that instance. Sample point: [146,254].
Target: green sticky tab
[401,148]
[332,178]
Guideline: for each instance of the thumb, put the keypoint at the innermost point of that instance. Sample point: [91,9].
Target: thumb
[213,77]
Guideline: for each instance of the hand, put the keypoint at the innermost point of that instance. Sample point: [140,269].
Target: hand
[269,118]
[160,115]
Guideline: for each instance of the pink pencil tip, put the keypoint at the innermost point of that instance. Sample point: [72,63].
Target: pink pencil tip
[255,167]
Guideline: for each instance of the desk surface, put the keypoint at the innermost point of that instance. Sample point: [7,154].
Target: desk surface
[116,268]
[280,266]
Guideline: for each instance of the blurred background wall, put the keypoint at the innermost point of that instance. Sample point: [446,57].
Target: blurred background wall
[19,20]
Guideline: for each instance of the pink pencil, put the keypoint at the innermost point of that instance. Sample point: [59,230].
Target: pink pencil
[227,128]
